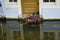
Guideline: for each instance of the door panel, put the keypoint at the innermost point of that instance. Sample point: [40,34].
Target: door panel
[30,6]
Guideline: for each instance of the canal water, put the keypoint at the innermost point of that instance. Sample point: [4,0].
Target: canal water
[13,30]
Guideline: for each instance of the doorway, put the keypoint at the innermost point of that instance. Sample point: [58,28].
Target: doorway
[29,7]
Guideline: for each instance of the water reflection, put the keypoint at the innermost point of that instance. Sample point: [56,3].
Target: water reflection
[3,33]
[0,33]
[31,32]
[13,30]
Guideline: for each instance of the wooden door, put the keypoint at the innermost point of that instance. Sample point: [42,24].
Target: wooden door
[29,6]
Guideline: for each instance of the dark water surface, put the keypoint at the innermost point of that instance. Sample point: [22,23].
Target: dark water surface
[13,30]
